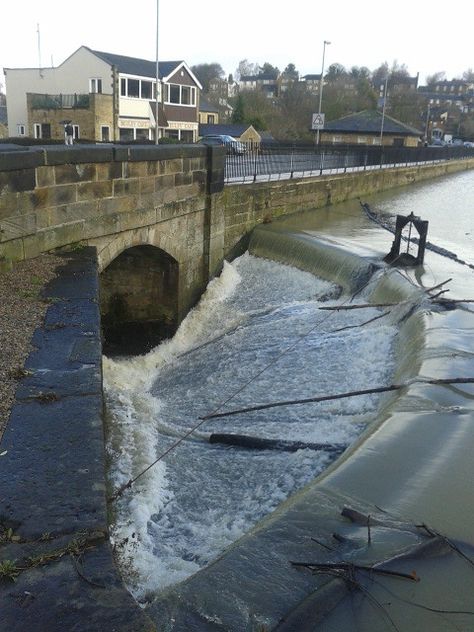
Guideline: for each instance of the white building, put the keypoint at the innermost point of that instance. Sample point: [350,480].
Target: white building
[106,96]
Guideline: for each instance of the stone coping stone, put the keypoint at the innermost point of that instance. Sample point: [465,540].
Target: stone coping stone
[52,475]
[76,154]
[21,159]
[164,152]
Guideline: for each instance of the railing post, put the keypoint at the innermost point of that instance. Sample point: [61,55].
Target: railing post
[321,160]
[255,163]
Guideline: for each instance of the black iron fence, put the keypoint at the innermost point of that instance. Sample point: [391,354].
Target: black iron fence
[282,161]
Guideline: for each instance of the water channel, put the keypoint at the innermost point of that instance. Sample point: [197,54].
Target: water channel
[258,336]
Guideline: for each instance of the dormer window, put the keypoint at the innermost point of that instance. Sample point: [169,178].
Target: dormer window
[180,95]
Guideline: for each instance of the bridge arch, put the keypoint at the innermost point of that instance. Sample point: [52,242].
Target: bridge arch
[139,299]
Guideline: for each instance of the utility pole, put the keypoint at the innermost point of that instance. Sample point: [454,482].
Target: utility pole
[383,111]
[427,125]
[157,90]
[321,82]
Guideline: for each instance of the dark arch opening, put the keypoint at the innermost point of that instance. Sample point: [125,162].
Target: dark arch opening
[138,300]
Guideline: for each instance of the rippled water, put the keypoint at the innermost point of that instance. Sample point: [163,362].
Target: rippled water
[257,336]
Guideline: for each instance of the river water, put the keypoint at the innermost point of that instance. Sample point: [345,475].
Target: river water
[257,336]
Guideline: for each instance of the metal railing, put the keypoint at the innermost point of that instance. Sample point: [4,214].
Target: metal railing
[59,101]
[260,162]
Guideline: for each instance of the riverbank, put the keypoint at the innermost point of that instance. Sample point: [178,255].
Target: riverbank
[22,309]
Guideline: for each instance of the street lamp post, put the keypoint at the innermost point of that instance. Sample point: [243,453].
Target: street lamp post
[157,95]
[383,110]
[321,81]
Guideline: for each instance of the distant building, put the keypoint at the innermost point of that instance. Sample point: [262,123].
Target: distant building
[208,113]
[455,93]
[312,82]
[240,131]
[268,83]
[107,97]
[364,128]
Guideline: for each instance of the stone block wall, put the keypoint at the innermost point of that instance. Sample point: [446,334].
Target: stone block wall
[243,207]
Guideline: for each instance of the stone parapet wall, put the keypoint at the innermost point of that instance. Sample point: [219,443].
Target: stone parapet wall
[56,197]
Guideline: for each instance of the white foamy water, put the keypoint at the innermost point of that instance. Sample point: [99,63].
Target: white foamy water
[258,319]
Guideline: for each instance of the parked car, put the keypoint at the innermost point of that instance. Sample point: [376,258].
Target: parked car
[232,145]
[468,143]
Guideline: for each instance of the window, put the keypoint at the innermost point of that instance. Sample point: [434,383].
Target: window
[180,95]
[137,88]
[185,95]
[146,90]
[174,94]
[75,133]
[129,133]
[105,133]
[187,136]
[126,134]
[42,130]
[21,129]
[95,86]
[141,134]
[133,88]
[172,133]
[211,119]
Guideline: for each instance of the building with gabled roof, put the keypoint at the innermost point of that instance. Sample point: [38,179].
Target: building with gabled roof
[107,97]
[240,131]
[369,127]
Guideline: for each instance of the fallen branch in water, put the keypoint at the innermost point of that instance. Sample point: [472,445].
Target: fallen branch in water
[263,443]
[363,306]
[325,398]
[348,567]
[369,305]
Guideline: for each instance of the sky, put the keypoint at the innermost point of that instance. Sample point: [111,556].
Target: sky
[425,36]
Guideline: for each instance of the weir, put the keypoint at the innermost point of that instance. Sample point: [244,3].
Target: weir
[392,473]
[381,476]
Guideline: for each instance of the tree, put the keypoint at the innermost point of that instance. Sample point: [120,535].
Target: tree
[292,118]
[379,75]
[399,70]
[246,69]
[206,73]
[291,73]
[359,72]
[254,108]
[268,69]
[335,71]
[238,115]
[468,75]
[431,80]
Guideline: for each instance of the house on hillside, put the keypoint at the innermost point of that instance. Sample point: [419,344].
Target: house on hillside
[368,128]
[312,83]
[268,83]
[208,113]
[445,94]
[107,97]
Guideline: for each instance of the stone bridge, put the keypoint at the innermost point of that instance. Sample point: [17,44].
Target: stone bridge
[159,216]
